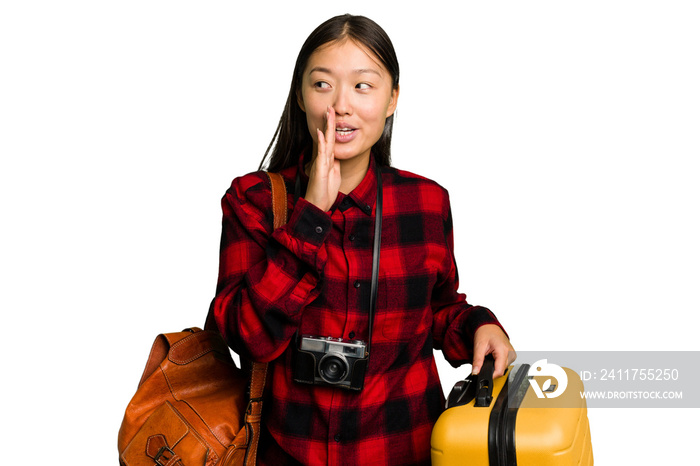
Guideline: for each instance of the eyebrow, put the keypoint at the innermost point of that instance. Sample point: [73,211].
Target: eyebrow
[321,69]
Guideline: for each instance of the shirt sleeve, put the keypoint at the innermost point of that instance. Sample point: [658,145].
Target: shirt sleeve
[266,277]
[454,320]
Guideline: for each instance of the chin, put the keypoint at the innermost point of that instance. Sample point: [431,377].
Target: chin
[347,154]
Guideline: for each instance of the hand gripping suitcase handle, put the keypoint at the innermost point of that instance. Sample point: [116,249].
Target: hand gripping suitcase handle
[478,386]
[484,383]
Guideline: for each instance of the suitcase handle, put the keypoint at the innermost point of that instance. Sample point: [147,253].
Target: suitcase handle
[479,386]
[484,383]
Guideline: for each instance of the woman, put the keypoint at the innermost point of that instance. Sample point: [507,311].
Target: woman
[312,277]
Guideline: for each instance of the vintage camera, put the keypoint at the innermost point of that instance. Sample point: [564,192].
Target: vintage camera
[331,361]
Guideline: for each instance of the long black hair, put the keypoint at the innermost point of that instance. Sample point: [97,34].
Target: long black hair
[292,136]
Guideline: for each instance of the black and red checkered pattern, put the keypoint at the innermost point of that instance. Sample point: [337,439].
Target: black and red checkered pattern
[313,274]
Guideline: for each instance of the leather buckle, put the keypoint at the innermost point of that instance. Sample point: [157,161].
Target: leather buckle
[165,454]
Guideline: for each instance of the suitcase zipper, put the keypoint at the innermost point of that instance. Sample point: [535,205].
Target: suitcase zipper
[501,435]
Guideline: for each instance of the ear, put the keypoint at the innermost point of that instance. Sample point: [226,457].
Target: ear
[392,104]
[300,101]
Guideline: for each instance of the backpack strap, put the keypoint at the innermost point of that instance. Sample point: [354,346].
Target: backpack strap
[279,211]
[259,371]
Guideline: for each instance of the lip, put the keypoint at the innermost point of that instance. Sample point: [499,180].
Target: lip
[346,136]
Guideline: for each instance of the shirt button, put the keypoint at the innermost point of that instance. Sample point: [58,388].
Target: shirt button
[351,335]
[357,283]
[337,437]
[351,237]
[319,230]
[368,208]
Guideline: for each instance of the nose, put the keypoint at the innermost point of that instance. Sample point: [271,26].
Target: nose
[343,101]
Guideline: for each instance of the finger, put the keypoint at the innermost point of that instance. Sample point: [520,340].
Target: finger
[500,364]
[478,359]
[321,155]
[330,133]
[512,356]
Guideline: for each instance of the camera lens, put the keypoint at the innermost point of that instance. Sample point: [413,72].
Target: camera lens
[333,368]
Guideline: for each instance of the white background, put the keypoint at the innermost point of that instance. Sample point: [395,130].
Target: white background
[566,133]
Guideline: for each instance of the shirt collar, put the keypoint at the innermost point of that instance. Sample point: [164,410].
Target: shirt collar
[363,196]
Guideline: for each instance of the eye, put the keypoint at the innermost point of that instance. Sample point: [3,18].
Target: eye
[322,85]
[363,86]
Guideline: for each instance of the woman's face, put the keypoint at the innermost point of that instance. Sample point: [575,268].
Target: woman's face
[353,81]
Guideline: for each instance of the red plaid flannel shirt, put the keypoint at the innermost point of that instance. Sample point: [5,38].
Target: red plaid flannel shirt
[313,274]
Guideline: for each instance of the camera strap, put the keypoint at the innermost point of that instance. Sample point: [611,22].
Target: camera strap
[376,245]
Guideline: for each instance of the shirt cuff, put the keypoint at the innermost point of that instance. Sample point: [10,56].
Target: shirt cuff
[480,316]
[305,233]
[309,223]
[459,343]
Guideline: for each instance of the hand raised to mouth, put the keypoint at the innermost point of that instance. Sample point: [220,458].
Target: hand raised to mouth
[324,173]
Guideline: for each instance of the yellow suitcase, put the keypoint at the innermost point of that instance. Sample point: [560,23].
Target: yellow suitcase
[518,419]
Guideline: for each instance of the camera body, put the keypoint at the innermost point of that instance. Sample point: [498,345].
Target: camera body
[331,361]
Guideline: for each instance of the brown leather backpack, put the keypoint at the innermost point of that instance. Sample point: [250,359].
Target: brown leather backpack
[192,406]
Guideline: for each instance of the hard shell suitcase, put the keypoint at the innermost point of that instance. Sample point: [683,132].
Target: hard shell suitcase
[512,421]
